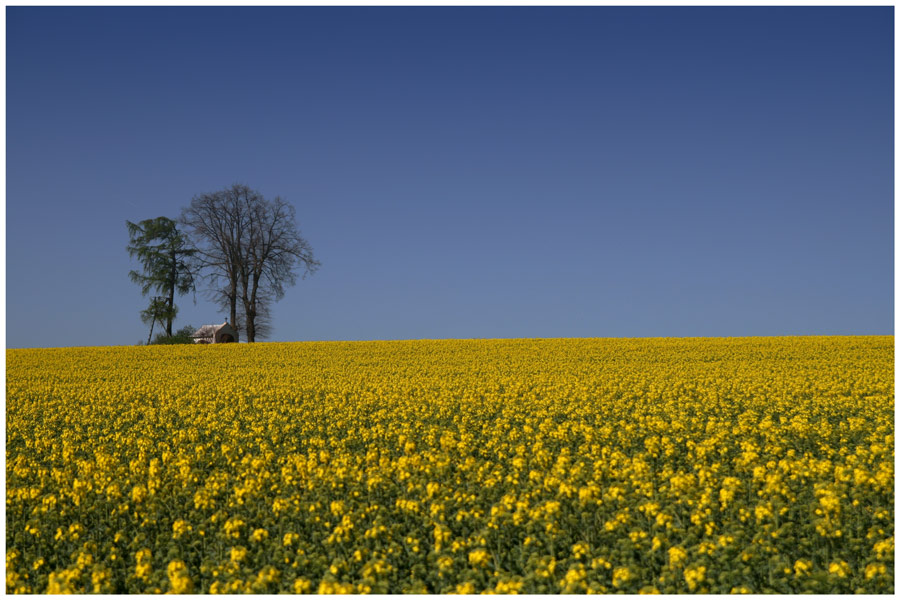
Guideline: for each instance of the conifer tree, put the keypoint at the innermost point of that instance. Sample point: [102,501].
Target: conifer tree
[166,259]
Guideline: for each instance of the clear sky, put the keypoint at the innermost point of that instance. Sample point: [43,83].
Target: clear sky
[465,172]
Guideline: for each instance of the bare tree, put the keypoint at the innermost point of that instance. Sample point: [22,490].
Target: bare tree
[216,225]
[249,249]
[275,249]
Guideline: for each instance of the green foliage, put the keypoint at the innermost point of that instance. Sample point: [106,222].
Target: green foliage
[165,255]
[182,336]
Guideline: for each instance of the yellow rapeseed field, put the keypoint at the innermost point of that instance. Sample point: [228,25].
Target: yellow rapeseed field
[529,465]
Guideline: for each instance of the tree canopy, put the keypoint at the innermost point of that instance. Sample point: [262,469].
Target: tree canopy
[248,249]
[165,256]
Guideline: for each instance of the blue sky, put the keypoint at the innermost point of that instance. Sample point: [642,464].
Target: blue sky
[465,172]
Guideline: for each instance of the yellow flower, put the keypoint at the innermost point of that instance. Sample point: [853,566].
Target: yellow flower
[580,549]
[465,588]
[233,527]
[138,494]
[180,528]
[620,576]
[802,567]
[874,570]
[762,512]
[694,576]
[143,558]
[884,548]
[479,558]
[444,563]
[237,553]
[179,579]
[302,585]
[508,587]
[839,568]
[676,556]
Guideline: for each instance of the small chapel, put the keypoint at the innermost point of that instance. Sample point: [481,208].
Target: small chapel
[223,333]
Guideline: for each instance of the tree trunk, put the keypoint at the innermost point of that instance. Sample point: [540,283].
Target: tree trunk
[173,275]
[233,300]
[250,309]
[249,318]
[232,295]
[150,337]
[251,327]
